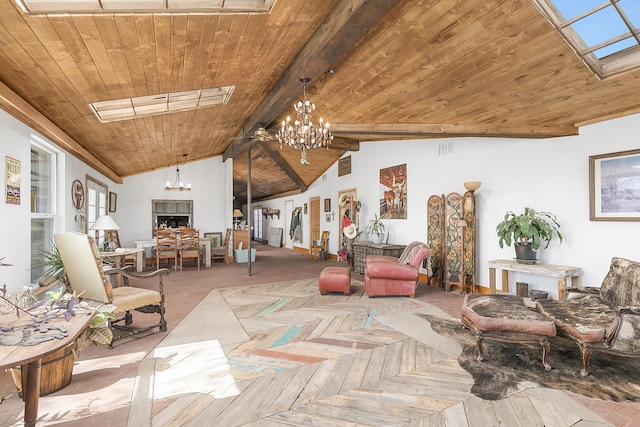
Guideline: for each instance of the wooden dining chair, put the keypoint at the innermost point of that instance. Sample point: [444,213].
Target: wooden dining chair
[166,246]
[321,245]
[222,252]
[88,279]
[189,245]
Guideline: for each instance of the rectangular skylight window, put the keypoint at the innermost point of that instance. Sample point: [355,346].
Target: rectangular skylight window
[605,33]
[142,106]
[58,7]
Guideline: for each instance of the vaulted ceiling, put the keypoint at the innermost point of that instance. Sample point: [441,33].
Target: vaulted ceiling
[400,69]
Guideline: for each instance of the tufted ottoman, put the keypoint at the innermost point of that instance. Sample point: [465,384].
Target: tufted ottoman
[505,317]
[335,279]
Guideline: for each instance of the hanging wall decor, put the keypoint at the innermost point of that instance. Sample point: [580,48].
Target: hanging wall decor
[13,181]
[393,192]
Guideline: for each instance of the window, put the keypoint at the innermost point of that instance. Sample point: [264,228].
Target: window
[257,224]
[43,202]
[96,205]
[605,34]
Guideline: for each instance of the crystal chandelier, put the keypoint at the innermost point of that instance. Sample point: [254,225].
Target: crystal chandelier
[302,134]
[178,185]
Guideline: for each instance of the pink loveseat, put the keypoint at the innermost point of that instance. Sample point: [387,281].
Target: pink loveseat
[385,275]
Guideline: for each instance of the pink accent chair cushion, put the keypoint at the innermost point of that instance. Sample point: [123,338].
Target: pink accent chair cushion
[335,279]
[385,275]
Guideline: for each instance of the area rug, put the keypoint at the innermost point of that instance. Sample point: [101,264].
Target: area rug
[510,367]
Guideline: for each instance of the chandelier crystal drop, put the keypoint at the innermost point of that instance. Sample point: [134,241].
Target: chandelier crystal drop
[301,134]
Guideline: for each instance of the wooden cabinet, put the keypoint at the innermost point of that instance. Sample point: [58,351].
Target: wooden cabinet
[240,236]
[362,249]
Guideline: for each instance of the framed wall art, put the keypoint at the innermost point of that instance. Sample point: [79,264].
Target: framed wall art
[327,205]
[344,166]
[216,238]
[393,192]
[614,186]
[113,201]
[13,181]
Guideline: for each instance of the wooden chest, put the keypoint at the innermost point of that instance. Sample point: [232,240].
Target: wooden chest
[362,249]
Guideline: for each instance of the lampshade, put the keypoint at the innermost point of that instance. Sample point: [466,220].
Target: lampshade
[237,213]
[104,222]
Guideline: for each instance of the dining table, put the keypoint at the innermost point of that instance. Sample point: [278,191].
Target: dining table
[117,257]
[29,358]
[205,243]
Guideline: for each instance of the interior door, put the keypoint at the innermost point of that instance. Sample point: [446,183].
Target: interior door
[96,202]
[314,219]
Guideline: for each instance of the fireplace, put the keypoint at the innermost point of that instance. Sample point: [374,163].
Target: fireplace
[173,221]
[171,213]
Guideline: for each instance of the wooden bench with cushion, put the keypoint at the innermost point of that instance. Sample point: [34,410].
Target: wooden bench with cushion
[505,317]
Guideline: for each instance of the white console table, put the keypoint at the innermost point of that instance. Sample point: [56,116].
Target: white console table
[560,271]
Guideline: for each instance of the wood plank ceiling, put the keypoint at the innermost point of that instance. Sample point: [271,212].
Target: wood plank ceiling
[402,69]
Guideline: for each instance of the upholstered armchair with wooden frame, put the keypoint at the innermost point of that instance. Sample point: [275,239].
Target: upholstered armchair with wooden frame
[319,245]
[386,275]
[87,278]
[189,245]
[222,252]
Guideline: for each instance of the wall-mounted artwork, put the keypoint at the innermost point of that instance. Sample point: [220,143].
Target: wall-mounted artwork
[13,181]
[614,186]
[393,192]
[113,201]
[344,166]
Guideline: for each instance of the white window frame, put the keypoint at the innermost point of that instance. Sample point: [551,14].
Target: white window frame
[51,215]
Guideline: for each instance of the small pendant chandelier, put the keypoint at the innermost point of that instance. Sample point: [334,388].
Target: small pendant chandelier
[301,134]
[178,185]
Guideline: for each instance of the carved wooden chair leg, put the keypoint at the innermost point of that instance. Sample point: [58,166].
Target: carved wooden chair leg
[585,349]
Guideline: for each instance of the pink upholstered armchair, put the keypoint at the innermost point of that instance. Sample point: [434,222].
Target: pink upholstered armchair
[385,275]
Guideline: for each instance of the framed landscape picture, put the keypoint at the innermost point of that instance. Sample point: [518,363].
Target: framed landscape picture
[216,238]
[614,186]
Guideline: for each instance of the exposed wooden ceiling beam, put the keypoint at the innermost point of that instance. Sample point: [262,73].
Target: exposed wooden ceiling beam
[344,144]
[378,131]
[23,111]
[349,21]
[277,196]
[286,167]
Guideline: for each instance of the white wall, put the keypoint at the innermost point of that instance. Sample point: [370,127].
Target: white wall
[545,174]
[15,244]
[212,203]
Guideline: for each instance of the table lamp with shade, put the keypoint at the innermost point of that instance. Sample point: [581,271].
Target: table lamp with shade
[237,213]
[104,223]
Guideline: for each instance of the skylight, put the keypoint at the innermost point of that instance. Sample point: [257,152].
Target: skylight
[604,33]
[142,106]
[58,7]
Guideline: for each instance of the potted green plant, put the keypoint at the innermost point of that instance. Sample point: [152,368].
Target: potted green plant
[376,229]
[527,231]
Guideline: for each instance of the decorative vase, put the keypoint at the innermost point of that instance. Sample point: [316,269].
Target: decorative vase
[378,237]
[525,255]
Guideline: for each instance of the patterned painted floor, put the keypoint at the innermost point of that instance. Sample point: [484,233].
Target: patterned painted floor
[283,355]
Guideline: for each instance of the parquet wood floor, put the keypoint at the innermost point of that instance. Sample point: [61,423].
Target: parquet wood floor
[242,352]
[315,360]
